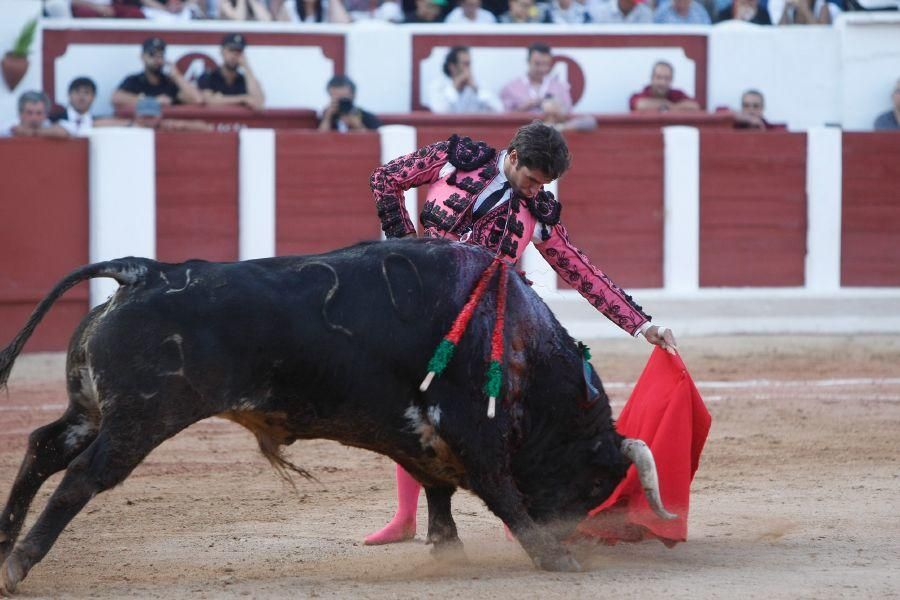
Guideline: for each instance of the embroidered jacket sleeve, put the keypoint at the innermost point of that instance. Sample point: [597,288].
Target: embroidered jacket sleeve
[389,181]
[592,283]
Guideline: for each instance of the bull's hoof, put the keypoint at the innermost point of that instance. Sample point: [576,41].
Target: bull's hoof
[11,573]
[560,563]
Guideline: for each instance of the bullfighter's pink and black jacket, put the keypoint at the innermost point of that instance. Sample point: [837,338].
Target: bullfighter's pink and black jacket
[505,229]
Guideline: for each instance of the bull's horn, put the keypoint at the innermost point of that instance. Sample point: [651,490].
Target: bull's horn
[638,453]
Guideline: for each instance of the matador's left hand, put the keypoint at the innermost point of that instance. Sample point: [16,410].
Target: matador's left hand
[662,337]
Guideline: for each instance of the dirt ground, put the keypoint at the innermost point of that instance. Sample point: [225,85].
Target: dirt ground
[796,497]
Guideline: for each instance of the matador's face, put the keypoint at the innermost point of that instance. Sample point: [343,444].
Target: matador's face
[524,180]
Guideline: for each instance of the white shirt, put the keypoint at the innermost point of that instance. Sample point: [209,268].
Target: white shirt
[76,123]
[443,97]
[576,12]
[776,9]
[482,17]
[608,11]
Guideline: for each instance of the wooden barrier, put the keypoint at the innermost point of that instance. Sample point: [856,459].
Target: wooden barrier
[43,235]
[322,195]
[196,196]
[613,204]
[752,208]
[235,117]
[870,221]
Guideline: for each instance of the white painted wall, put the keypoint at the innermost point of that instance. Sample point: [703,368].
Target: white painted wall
[122,199]
[256,194]
[13,15]
[378,57]
[292,76]
[870,66]
[796,68]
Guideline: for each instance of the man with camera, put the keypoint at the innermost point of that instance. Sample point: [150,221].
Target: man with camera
[342,114]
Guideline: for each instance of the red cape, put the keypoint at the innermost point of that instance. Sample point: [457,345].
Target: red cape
[665,410]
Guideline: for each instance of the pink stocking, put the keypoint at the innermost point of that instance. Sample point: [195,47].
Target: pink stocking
[403,525]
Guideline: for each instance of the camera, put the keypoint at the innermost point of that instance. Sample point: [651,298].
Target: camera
[345,106]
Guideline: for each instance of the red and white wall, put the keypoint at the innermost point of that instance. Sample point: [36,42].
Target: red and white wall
[679,214]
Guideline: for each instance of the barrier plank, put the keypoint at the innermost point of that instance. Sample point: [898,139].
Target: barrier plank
[196,196]
[322,194]
[870,216]
[753,219]
[43,235]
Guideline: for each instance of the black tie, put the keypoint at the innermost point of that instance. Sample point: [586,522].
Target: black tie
[490,202]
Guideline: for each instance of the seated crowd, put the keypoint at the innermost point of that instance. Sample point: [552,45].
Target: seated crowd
[472,12]
[538,91]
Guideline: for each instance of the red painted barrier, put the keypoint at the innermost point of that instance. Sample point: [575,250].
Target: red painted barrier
[870,220]
[752,208]
[613,203]
[43,235]
[196,196]
[322,194]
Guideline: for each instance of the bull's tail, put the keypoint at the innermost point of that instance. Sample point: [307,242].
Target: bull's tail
[123,270]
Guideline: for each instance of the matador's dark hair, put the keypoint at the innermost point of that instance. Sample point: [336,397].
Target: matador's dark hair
[541,147]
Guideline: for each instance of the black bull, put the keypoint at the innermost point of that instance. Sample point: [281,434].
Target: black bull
[329,346]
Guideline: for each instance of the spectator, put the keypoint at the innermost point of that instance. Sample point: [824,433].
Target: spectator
[745,10]
[93,9]
[751,114]
[34,107]
[620,11]
[227,84]
[567,12]
[537,91]
[469,12]
[660,96]
[148,114]
[171,10]
[497,7]
[310,11]
[891,119]
[521,11]
[342,114]
[803,12]
[681,12]
[76,118]
[286,10]
[373,10]
[458,92]
[244,10]
[153,81]
[427,11]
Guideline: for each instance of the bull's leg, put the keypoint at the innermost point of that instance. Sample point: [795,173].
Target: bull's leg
[50,449]
[441,527]
[107,461]
[504,500]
